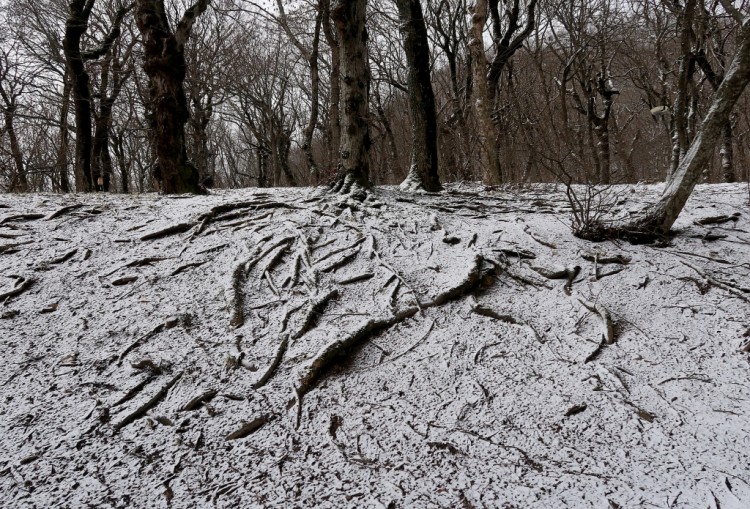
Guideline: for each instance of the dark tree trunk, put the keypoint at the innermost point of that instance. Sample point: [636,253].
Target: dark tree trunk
[164,64]
[62,150]
[334,111]
[76,26]
[353,167]
[423,173]
[18,182]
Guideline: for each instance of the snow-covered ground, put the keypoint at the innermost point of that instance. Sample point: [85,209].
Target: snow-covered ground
[279,349]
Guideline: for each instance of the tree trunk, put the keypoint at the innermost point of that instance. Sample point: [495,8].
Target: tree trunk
[18,182]
[75,27]
[482,101]
[659,218]
[423,173]
[334,111]
[62,150]
[680,131]
[353,173]
[164,64]
[727,153]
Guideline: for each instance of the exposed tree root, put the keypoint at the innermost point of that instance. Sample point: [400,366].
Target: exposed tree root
[357,279]
[141,411]
[605,258]
[13,248]
[340,250]
[138,342]
[183,268]
[322,361]
[313,310]
[250,264]
[234,296]
[63,211]
[718,219]
[20,217]
[537,239]
[469,282]
[510,320]
[608,333]
[341,261]
[63,258]
[21,285]
[199,400]
[567,273]
[135,390]
[170,230]
[248,428]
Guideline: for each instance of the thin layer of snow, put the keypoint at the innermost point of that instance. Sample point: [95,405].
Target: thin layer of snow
[449,407]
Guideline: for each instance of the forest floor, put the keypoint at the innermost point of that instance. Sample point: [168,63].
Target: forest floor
[284,348]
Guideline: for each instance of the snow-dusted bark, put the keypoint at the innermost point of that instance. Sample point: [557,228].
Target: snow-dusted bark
[482,104]
[660,217]
[353,168]
[423,173]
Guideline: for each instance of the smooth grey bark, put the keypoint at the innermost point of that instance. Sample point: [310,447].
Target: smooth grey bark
[423,173]
[353,173]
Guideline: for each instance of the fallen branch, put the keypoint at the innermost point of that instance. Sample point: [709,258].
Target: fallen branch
[608,333]
[141,411]
[719,284]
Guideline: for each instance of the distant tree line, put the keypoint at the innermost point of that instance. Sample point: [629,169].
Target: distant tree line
[179,96]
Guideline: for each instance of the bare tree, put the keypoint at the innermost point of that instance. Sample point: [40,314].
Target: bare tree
[423,173]
[659,218]
[75,28]
[353,175]
[164,63]
[12,86]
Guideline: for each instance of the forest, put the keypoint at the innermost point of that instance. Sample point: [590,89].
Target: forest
[375,253]
[602,91]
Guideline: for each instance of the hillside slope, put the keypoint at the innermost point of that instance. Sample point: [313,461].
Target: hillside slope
[280,348]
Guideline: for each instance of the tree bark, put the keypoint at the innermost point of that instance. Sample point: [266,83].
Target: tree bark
[659,218]
[334,111]
[423,173]
[353,173]
[482,100]
[75,27]
[164,64]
